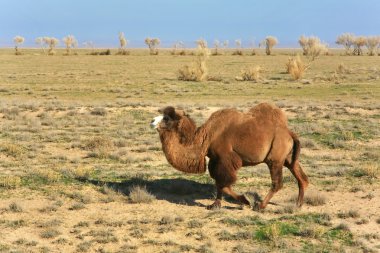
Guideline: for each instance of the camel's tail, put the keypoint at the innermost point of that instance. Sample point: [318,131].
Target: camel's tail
[296,154]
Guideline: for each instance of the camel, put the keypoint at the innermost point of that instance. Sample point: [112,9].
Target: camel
[232,139]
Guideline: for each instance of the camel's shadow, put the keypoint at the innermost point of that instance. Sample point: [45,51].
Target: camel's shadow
[176,190]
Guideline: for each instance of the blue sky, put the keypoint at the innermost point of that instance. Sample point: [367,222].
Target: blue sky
[173,20]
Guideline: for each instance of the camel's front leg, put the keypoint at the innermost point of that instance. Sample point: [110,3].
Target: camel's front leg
[218,201]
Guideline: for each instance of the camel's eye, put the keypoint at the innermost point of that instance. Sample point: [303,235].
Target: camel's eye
[166,118]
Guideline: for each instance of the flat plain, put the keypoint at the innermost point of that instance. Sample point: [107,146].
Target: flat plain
[82,171]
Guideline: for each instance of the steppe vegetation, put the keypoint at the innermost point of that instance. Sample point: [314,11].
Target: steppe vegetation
[81,170]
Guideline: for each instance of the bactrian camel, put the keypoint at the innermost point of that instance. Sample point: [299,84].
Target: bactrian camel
[232,139]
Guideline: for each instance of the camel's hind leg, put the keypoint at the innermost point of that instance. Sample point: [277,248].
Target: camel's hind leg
[275,169]
[301,177]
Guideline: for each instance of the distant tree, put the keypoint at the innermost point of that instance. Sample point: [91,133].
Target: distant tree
[216,47]
[51,42]
[252,44]
[40,41]
[372,43]
[225,44]
[152,44]
[178,48]
[270,42]
[70,43]
[359,42]
[346,40]
[18,40]
[89,45]
[238,50]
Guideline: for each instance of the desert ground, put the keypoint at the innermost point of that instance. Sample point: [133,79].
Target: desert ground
[82,171]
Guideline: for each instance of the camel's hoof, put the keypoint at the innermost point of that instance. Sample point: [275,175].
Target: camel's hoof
[214,206]
[258,206]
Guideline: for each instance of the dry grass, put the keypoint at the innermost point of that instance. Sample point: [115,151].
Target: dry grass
[139,194]
[315,199]
[46,109]
[11,149]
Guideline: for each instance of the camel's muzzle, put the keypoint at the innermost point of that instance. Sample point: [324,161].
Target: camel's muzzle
[156,121]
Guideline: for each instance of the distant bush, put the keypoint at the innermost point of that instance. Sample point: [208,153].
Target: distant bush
[312,46]
[296,67]
[198,71]
[270,42]
[106,52]
[250,74]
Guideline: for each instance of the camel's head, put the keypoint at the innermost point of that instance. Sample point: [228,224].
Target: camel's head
[174,120]
[169,119]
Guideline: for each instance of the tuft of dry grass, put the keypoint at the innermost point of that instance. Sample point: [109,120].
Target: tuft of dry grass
[10,181]
[370,170]
[48,175]
[296,67]
[100,111]
[315,199]
[198,70]
[139,194]
[98,143]
[49,234]
[15,208]
[81,172]
[349,214]
[250,74]
[342,69]
[11,149]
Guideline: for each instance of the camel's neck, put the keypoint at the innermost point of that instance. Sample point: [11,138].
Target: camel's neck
[188,157]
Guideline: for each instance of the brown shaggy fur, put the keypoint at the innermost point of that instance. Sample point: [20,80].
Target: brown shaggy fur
[232,139]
